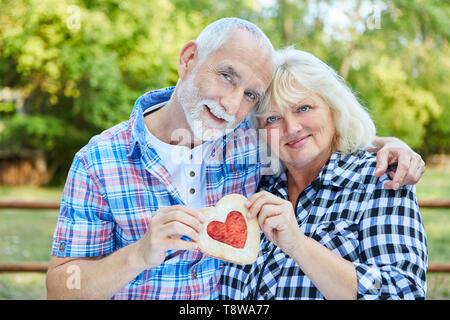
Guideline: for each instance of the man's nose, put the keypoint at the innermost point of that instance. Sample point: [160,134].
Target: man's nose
[232,102]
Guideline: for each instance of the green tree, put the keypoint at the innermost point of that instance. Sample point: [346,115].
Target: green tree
[404,72]
[391,52]
[81,64]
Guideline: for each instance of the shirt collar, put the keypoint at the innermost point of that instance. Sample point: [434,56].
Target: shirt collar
[151,99]
[342,171]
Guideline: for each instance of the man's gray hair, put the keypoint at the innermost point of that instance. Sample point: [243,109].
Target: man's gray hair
[215,34]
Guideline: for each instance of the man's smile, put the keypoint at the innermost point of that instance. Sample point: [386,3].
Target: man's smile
[216,119]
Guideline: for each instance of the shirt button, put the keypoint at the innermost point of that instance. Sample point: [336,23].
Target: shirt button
[192,190]
[194,275]
[61,247]
[190,156]
[192,174]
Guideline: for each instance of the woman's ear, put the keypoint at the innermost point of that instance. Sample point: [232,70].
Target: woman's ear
[188,58]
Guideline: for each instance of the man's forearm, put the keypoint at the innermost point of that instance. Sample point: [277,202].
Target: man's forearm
[99,278]
[380,142]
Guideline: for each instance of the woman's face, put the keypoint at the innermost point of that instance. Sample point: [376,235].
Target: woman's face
[302,135]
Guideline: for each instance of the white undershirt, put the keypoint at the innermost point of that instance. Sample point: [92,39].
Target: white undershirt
[186,167]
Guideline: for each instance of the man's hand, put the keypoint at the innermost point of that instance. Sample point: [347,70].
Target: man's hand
[165,230]
[410,166]
[102,277]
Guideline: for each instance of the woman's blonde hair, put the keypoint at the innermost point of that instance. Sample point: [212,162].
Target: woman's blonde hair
[296,71]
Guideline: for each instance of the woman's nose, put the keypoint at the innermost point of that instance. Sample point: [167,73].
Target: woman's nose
[292,125]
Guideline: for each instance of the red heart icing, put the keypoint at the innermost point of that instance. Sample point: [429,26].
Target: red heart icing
[233,232]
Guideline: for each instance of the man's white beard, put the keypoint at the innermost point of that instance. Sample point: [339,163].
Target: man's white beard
[208,131]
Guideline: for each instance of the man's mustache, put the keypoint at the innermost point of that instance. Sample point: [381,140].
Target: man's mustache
[218,111]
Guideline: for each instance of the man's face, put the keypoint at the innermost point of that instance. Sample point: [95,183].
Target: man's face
[218,93]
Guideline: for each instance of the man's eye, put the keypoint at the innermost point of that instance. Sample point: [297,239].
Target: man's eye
[251,95]
[226,76]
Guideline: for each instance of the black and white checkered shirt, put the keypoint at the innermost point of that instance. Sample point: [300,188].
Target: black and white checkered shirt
[347,210]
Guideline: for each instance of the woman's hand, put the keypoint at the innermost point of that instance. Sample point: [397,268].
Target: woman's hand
[334,276]
[276,217]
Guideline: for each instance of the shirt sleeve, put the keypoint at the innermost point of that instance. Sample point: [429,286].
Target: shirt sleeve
[84,227]
[393,251]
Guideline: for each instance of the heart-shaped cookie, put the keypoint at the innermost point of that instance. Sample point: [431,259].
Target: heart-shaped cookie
[227,233]
[233,232]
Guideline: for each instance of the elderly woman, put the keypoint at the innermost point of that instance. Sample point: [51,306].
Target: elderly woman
[331,231]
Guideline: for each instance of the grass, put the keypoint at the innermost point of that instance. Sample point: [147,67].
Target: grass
[435,184]
[22,286]
[438,286]
[26,235]
[437,228]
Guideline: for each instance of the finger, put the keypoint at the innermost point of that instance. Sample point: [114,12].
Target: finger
[183,217]
[256,202]
[420,169]
[163,214]
[253,198]
[177,244]
[265,198]
[414,171]
[175,229]
[382,162]
[271,226]
[267,211]
[193,212]
[404,161]
[268,230]
[389,185]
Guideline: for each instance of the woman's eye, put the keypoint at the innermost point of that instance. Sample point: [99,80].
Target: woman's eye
[271,119]
[304,108]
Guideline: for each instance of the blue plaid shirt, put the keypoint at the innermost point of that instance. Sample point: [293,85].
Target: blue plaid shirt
[116,184]
[348,211]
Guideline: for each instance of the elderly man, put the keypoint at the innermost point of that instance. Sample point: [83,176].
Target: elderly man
[129,209]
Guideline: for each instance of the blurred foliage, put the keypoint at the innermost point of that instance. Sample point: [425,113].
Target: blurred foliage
[81,64]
